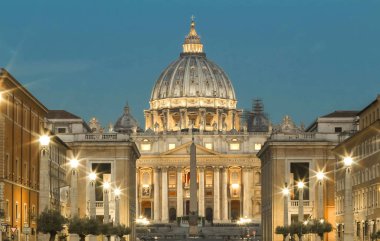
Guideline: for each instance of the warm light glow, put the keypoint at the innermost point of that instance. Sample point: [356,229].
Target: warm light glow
[300,184]
[305,223]
[44,140]
[320,175]
[92,176]
[74,163]
[285,191]
[235,185]
[117,192]
[321,221]
[145,185]
[142,220]
[244,220]
[348,161]
[106,185]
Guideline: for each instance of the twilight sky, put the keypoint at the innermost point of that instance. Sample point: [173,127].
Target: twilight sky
[304,58]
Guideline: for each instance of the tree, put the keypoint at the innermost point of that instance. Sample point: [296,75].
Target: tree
[283,230]
[51,222]
[84,227]
[299,229]
[320,228]
[121,230]
[107,230]
[77,226]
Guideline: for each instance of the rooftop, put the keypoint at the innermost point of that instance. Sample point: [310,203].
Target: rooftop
[342,113]
[61,114]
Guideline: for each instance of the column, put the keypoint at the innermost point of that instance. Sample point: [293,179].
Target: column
[216,195]
[164,187]
[156,180]
[320,212]
[137,194]
[106,205]
[92,199]
[179,193]
[348,212]
[247,202]
[201,195]
[224,195]
[74,193]
[300,205]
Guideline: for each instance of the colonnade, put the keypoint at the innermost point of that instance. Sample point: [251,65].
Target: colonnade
[221,186]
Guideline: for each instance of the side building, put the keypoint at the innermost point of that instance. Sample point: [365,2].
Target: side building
[293,156]
[358,186]
[22,119]
[99,158]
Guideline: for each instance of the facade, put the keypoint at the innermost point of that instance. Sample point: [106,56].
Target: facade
[292,155]
[193,97]
[53,176]
[112,156]
[363,147]
[22,119]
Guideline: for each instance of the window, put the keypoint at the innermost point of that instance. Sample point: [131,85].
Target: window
[234,146]
[257,147]
[25,213]
[171,146]
[208,146]
[209,179]
[172,179]
[145,146]
[16,211]
[338,129]
[6,210]
[61,130]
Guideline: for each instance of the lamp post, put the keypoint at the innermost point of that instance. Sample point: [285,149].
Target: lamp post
[45,172]
[300,186]
[285,193]
[92,177]
[117,193]
[320,177]
[106,187]
[348,214]
[74,163]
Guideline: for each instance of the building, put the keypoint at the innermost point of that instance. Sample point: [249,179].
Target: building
[22,119]
[111,156]
[292,155]
[363,147]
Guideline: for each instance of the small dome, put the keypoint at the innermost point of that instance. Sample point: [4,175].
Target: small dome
[127,123]
[193,75]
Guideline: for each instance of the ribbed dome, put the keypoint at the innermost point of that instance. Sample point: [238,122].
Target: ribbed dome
[193,75]
[126,123]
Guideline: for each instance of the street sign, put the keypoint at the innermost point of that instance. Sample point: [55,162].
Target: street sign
[26,230]
[13,230]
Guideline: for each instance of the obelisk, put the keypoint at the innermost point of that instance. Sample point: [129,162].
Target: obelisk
[193,214]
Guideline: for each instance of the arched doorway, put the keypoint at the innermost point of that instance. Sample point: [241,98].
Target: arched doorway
[235,209]
[172,214]
[209,215]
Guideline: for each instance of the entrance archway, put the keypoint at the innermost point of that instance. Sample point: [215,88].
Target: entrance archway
[209,215]
[235,209]
[172,214]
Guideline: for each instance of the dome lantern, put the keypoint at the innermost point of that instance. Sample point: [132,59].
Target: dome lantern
[192,41]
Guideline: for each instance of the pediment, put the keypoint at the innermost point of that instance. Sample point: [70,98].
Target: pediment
[184,149]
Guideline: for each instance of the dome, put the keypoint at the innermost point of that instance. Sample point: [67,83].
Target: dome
[192,76]
[126,123]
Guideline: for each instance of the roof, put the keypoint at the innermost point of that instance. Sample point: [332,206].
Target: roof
[61,114]
[372,103]
[342,113]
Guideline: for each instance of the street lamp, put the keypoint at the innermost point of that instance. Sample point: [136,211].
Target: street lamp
[45,173]
[300,186]
[285,193]
[117,193]
[106,187]
[320,177]
[74,163]
[92,176]
[348,214]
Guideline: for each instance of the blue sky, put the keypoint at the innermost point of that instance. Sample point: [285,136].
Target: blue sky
[303,58]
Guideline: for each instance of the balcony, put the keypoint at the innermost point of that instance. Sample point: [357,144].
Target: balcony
[306,203]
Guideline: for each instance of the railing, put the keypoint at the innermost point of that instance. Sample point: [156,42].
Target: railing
[306,203]
[102,137]
[99,204]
